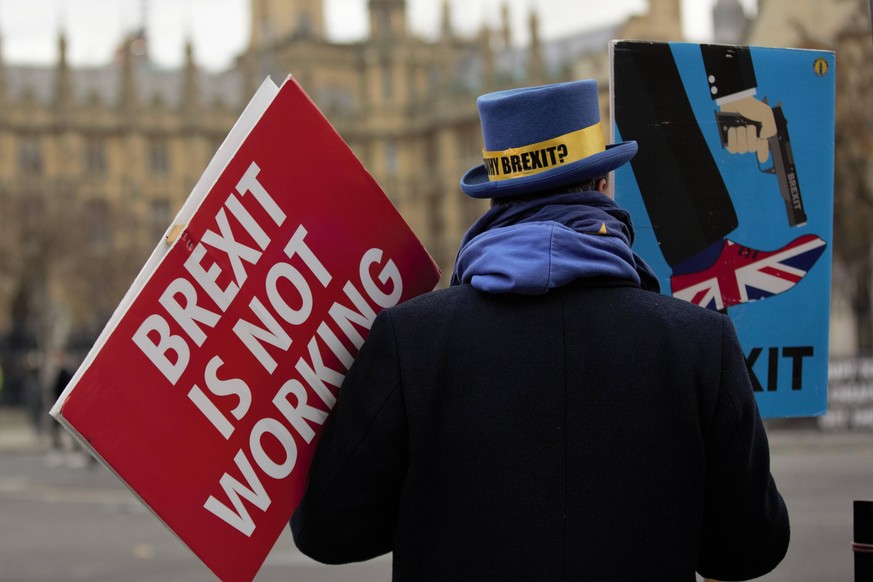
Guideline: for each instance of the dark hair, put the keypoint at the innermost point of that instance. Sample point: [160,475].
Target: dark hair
[586,186]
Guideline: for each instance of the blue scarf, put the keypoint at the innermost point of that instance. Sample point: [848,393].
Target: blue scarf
[532,246]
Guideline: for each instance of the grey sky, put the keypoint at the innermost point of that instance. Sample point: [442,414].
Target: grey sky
[219,28]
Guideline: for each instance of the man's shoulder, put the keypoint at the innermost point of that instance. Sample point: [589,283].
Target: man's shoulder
[436,300]
[628,300]
[638,307]
[661,303]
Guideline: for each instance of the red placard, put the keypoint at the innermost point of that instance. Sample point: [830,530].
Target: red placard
[210,389]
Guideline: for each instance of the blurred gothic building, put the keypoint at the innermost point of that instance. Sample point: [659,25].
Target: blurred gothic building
[95,162]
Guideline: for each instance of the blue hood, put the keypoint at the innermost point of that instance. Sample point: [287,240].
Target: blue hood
[537,245]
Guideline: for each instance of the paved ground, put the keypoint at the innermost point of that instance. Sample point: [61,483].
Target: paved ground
[62,519]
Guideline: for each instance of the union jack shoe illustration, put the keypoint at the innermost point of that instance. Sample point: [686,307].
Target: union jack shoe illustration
[742,274]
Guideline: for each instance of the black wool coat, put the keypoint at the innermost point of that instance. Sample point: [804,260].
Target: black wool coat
[597,432]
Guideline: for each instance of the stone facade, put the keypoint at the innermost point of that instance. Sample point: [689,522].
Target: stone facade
[95,162]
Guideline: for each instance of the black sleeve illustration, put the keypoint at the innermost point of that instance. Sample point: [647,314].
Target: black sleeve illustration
[729,69]
[687,202]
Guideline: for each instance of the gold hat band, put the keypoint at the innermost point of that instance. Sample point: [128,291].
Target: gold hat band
[545,155]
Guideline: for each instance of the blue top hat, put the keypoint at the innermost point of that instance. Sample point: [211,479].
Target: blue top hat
[538,138]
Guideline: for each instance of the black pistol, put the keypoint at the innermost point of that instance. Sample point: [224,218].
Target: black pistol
[783,159]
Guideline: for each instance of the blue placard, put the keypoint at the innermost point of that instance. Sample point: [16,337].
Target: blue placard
[722,228]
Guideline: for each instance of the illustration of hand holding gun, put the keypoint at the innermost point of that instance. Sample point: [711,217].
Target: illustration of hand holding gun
[748,125]
[739,274]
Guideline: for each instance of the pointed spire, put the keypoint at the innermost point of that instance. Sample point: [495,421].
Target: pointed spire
[190,81]
[387,18]
[140,38]
[63,77]
[507,27]
[259,36]
[3,85]
[128,91]
[446,21]
[536,65]
[143,14]
[489,69]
